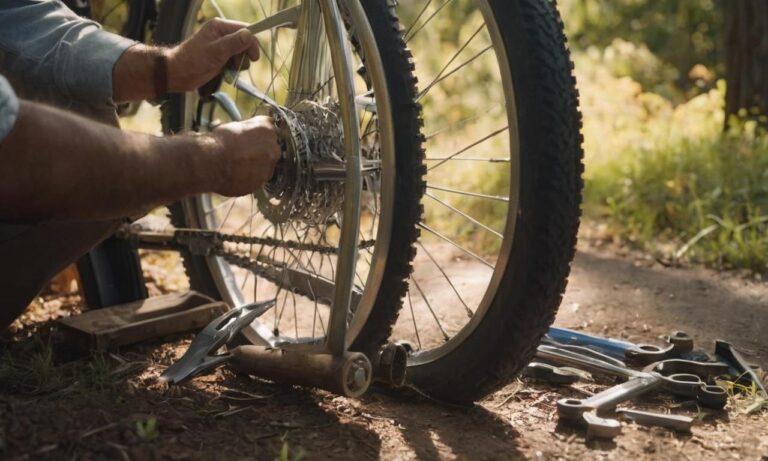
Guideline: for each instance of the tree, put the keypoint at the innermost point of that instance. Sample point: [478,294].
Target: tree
[746,52]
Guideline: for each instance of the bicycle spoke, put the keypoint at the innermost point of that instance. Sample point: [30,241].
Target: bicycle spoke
[468,194]
[464,215]
[427,21]
[465,149]
[462,122]
[413,317]
[432,311]
[453,58]
[447,279]
[469,159]
[461,66]
[456,245]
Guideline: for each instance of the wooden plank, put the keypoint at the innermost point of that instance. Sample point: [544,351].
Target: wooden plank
[152,318]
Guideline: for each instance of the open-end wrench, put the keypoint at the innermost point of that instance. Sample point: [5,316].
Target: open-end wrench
[593,409]
[679,377]
[677,423]
[550,373]
[680,343]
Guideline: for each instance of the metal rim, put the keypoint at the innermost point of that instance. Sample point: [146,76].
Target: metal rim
[196,207]
[423,357]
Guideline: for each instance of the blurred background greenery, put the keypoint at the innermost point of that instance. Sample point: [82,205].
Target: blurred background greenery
[662,174]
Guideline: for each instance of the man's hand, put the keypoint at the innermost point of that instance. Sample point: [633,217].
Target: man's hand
[191,64]
[201,57]
[249,152]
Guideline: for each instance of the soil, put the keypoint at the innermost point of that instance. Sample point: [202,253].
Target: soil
[102,407]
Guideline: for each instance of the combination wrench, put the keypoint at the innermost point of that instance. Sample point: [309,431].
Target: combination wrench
[679,377]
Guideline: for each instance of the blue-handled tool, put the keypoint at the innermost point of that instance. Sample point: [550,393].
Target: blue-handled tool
[609,346]
[634,354]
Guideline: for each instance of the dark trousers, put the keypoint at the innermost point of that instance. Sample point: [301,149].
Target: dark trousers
[31,255]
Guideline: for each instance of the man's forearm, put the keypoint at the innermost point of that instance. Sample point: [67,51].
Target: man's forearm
[134,77]
[54,165]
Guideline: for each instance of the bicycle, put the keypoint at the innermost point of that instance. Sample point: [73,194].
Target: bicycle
[366,215]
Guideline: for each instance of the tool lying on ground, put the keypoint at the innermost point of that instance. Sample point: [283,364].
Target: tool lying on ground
[744,370]
[680,343]
[564,353]
[676,376]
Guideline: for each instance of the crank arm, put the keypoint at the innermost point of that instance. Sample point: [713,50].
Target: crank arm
[200,355]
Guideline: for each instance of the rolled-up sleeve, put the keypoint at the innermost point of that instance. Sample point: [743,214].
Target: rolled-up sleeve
[9,108]
[46,45]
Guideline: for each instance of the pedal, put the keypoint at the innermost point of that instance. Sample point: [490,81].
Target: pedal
[201,354]
[111,327]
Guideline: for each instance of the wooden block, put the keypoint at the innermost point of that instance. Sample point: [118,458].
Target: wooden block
[111,327]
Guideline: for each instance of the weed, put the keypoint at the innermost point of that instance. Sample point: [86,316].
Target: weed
[147,430]
[285,452]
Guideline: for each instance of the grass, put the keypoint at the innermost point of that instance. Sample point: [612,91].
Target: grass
[665,177]
[33,368]
[147,430]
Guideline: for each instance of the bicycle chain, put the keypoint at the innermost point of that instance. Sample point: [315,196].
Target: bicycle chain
[217,239]
[201,242]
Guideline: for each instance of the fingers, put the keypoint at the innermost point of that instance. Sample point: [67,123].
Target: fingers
[236,43]
[221,27]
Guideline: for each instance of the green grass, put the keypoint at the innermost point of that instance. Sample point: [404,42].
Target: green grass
[684,190]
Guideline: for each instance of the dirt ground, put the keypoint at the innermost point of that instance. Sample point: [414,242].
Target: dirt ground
[111,407]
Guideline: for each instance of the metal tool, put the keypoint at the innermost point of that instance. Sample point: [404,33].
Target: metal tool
[679,377]
[550,373]
[201,354]
[677,423]
[584,350]
[669,375]
[683,378]
[745,370]
[680,343]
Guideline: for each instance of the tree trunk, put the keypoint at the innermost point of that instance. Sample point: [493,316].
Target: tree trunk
[746,51]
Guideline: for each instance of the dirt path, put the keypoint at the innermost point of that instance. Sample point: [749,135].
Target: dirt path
[90,409]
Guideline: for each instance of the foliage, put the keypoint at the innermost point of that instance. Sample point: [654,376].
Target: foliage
[681,33]
[678,179]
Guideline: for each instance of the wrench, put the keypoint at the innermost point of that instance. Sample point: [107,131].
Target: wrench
[679,377]
[634,354]
[591,410]
[550,374]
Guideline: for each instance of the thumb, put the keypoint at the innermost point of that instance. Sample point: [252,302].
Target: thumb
[235,43]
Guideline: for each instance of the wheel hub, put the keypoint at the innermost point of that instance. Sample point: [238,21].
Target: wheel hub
[311,133]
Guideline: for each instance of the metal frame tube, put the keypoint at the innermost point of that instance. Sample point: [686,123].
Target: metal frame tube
[341,57]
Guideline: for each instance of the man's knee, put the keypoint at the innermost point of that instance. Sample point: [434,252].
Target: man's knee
[30,259]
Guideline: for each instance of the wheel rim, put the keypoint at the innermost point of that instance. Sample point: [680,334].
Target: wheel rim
[482,50]
[232,285]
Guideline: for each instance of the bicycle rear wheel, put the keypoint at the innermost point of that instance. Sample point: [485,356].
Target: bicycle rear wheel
[285,234]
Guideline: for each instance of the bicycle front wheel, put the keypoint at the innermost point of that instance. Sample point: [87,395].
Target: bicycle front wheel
[502,201]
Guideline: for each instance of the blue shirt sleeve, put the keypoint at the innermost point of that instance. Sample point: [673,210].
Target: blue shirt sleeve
[9,108]
[48,47]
